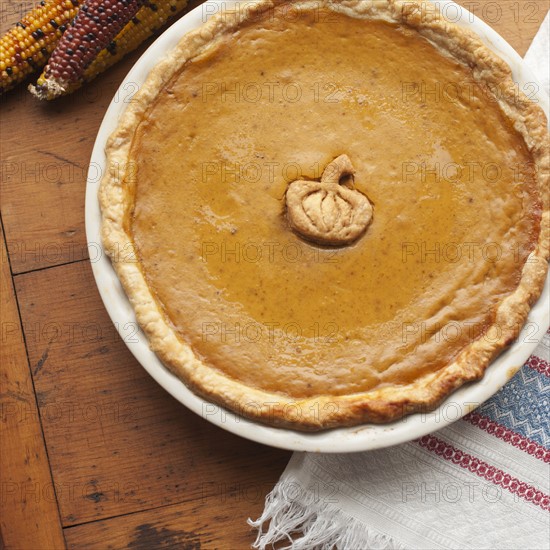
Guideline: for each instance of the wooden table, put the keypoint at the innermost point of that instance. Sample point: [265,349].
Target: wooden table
[94,454]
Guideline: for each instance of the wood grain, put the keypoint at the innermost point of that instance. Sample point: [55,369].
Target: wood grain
[118,443]
[28,510]
[206,523]
[517,21]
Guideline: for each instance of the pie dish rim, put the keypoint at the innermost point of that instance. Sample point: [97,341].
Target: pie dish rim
[283,421]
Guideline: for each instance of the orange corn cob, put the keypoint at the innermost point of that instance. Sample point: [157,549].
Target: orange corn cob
[27,46]
[149,19]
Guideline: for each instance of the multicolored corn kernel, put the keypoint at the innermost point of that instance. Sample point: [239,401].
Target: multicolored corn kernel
[26,47]
[94,27]
[148,20]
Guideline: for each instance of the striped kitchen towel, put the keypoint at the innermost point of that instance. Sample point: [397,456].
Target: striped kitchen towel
[482,482]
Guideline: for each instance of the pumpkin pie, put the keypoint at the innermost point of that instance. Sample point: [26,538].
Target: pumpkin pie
[329,213]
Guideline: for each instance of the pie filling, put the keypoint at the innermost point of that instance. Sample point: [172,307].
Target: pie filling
[449,182]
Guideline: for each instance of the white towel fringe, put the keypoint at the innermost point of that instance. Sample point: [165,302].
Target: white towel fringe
[308,524]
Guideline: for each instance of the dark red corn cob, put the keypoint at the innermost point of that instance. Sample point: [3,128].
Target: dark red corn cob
[96,24]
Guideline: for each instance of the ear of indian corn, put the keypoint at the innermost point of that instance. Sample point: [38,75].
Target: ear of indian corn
[94,27]
[148,20]
[27,46]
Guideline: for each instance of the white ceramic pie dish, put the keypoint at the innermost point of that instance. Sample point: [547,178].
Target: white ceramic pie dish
[357,438]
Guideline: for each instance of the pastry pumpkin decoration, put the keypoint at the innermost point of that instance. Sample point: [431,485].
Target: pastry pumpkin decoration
[328,212]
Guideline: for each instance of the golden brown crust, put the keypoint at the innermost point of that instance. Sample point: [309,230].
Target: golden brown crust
[380,405]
